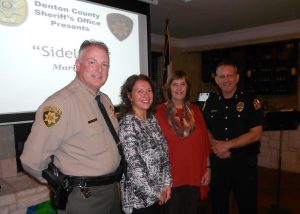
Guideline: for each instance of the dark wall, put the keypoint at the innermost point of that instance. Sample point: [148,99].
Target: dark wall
[265,69]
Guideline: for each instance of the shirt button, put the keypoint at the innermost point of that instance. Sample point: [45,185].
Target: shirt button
[226,107]
[239,115]
[226,117]
[211,116]
[225,129]
[226,139]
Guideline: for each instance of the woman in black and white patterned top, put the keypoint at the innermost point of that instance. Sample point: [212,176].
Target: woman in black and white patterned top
[148,181]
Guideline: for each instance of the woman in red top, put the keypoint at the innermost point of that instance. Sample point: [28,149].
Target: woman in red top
[189,148]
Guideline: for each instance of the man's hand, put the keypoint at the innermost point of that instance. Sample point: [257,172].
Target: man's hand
[220,148]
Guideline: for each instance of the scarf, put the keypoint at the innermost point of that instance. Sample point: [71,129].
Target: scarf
[181,126]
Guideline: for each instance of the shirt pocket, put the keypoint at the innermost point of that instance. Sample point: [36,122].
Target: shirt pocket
[216,116]
[94,137]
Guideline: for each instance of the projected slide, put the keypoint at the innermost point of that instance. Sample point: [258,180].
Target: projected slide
[40,41]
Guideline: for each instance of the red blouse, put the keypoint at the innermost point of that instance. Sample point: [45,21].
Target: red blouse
[188,155]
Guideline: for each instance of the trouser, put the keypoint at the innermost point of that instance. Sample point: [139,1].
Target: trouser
[104,199]
[153,209]
[184,200]
[237,174]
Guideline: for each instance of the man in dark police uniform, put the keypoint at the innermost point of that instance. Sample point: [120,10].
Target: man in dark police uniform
[234,120]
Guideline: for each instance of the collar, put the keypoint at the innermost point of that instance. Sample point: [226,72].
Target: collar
[87,92]
[236,95]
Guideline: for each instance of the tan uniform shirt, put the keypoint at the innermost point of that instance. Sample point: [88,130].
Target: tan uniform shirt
[70,125]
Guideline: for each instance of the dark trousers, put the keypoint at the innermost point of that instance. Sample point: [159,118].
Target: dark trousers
[104,199]
[184,200]
[237,174]
[153,209]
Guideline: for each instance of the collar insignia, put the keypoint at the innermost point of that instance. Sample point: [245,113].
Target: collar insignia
[51,115]
[240,106]
[112,111]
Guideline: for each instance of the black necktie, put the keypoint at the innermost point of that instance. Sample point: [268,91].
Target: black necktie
[106,118]
[114,134]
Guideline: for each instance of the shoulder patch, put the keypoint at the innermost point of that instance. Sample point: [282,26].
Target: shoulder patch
[51,115]
[256,104]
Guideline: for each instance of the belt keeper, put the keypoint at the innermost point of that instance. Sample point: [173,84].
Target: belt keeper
[82,183]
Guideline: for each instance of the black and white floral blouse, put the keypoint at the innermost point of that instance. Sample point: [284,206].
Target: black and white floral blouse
[146,153]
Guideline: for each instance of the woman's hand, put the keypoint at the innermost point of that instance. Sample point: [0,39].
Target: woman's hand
[165,195]
[205,180]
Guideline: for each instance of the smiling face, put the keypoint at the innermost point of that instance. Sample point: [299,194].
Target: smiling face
[141,97]
[92,67]
[178,90]
[227,79]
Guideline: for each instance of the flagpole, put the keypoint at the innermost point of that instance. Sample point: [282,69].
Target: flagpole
[166,67]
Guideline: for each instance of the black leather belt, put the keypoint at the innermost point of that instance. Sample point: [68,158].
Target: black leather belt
[92,181]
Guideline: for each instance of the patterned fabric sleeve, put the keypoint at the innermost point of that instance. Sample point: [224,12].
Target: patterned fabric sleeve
[168,180]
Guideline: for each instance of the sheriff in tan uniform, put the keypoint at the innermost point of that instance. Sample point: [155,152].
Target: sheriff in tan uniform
[70,126]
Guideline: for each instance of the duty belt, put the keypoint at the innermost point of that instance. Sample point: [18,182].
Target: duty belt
[93,181]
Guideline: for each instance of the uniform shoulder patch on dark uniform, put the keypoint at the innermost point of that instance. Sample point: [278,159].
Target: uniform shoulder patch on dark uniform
[256,104]
[51,115]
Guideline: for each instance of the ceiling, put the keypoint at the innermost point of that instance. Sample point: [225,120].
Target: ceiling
[198,18]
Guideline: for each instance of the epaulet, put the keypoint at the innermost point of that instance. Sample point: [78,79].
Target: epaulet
[241,94]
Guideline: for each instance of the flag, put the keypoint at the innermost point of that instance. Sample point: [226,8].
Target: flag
[167,56]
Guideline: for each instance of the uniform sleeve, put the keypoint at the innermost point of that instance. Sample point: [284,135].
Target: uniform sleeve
[136,170]
[256,115]
[45,137]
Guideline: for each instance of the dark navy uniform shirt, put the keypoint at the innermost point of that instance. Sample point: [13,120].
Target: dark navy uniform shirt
[229,118]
